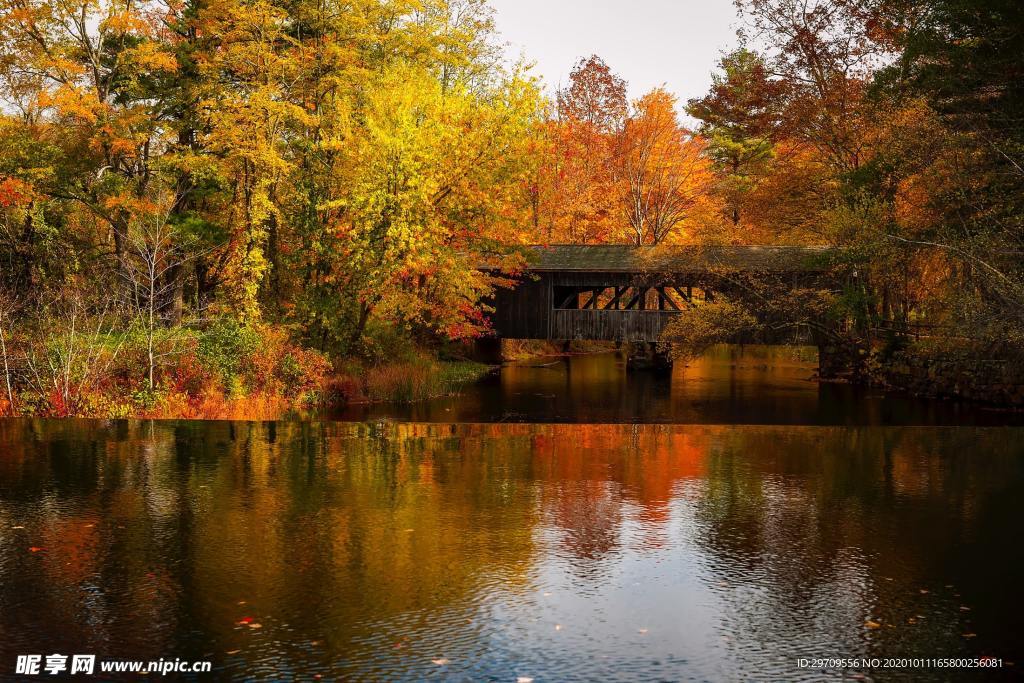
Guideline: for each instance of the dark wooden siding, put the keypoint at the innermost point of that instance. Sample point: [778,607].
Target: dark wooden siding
[523,312]
[609,325]
[527,312]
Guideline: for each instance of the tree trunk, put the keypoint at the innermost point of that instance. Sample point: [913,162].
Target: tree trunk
[174,286]
[357,333]
[27,249]
[272,284]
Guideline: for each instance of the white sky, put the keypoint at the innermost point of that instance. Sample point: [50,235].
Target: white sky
[675,43]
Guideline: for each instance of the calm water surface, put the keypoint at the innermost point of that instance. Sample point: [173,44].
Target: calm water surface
[728,385]
[414,551]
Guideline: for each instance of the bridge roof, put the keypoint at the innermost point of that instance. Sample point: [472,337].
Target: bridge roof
[624,258]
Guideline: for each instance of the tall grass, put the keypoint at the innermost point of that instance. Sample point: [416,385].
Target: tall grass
[415,380]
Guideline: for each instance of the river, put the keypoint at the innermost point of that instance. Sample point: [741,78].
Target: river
[560,522]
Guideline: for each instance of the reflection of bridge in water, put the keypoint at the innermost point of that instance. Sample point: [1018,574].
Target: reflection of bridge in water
[629,294]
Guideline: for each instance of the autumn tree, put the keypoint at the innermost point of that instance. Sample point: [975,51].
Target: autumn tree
[664,176]
[247,116]
[90,71]
[595,96]
[825,52]
[574,195]
[404,169]
[898,145]
[741,119]
[157,248]
[429,184]
[960,68]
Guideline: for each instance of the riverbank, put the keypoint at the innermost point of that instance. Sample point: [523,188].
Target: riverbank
[404,382]
[513,350]
[952,372]
[224,371]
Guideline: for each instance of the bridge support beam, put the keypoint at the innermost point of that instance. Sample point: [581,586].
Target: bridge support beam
[488,350]
[646,356]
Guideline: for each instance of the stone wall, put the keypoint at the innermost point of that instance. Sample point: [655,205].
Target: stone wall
[837,362]
[995,382]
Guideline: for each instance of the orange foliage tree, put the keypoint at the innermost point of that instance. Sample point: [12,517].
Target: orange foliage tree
[663,174]
[574,191]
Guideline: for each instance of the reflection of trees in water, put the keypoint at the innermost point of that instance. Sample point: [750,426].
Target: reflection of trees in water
[841,526]
[359,535]
[204,525]
[588,519]
[598,477]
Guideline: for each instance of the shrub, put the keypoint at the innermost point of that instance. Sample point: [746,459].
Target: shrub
[384,343]
[698,328]
[224,345]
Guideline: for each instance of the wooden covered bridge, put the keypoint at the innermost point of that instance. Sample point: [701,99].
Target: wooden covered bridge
[629,294]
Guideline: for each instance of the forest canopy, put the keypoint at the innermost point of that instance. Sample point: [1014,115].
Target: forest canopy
[332,175]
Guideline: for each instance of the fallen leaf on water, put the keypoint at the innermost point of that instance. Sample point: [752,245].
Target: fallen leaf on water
[241,602]
[440,662]
[872,624]
[36,549]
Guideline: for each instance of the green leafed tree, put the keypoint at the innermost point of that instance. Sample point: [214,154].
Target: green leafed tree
[740,119]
